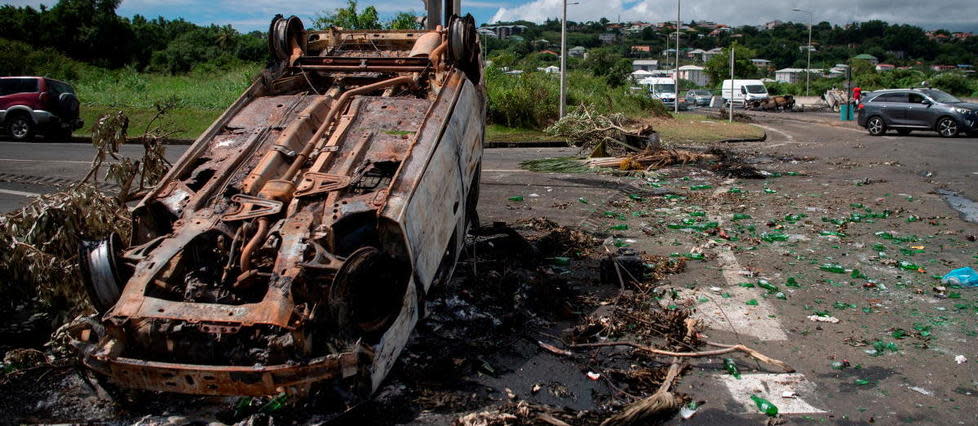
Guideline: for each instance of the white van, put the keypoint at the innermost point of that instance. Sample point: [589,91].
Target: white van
[663,89]
[742,90]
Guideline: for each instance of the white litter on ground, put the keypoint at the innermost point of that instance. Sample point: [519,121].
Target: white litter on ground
[817,318]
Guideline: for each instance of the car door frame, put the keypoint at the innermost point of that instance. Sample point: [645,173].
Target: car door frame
[894,113]
[920,114]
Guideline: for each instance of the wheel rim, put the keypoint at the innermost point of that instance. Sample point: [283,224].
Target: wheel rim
[948,127]
[19,128]
[875,126]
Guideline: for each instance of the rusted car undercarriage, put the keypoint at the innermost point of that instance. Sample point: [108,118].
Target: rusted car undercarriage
[294,242]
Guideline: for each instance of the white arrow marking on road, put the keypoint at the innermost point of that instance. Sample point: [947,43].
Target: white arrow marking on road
[21,160]
[21,193]
[771,387]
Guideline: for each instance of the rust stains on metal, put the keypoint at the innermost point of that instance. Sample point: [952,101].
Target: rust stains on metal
[293,242]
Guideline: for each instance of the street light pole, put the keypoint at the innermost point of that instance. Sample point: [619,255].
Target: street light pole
[563,62]
[808,70]
[679,24]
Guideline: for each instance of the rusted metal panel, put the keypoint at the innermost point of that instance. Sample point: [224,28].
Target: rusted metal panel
[295,240]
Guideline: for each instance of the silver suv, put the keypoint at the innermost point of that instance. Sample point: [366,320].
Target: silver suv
[906,110]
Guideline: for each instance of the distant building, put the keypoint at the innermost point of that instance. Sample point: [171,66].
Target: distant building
[773,24]
[794,75]
[577,52]
[695,54]
[608,38]
[885,67]
[867,57]
[709,54]
[549,52]
[693,73]
[641,49]
[506,31]
[486,32]
[940,68]
[761,63]
[553,69]
[645,65]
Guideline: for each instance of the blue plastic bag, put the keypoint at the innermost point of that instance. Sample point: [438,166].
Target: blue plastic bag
[962,276]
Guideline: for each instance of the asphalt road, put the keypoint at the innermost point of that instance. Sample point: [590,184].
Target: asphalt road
[837,171]
[40,167]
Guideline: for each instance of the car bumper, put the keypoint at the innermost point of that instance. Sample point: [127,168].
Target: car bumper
[45,118]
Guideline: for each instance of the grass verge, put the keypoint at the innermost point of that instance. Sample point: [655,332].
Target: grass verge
[690,127]
[500,133]
[188,123]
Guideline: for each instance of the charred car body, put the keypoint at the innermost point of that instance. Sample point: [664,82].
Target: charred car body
[294,242]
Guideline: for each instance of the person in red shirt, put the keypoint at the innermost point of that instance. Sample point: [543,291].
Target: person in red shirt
[856,94]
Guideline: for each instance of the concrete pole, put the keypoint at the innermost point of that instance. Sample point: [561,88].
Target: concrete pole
[811,22]
[733,52]
[563,62]
[676,75]
[808,71]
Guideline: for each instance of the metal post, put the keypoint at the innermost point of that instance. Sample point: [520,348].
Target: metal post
[732,53]
[679,24]
[808,70]
[563,62]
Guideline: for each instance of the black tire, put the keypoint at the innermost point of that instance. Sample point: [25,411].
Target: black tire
[903,132]
[948,127]
[20,127]
[876,126]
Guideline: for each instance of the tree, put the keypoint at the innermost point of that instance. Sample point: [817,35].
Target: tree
[349,18]
[404,21]
[718,67]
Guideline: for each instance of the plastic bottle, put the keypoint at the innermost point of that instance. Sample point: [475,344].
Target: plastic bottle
[731,367]
[621,227]
[516,198]
[698,187]
[774,236]
[832,267]
[909,266]
[765,406]
[767,286]
[741,216]
[792,282]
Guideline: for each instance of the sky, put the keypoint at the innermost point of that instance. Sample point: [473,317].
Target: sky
[955,15]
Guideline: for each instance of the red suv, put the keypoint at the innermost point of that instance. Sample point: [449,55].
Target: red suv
[30,105]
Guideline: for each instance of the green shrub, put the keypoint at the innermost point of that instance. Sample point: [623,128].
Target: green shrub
[954,83]
[530,100]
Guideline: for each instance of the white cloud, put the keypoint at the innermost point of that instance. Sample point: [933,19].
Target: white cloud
[747,12]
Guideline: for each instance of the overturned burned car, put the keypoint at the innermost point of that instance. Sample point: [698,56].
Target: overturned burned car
[294,242]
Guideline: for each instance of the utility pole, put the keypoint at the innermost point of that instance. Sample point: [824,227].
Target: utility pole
[679,24]
[732,53]
[563,63]
[808,70]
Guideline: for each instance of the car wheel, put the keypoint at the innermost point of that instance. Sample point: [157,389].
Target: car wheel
[903,132]
[947,127]
[21,128]
[876,126]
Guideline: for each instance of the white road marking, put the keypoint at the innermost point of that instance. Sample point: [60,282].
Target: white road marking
[778,131]
[20,193]
[21,160]
[733,313]
[771,387]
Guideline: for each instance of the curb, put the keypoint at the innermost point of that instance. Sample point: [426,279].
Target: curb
[539,144]
[762,138]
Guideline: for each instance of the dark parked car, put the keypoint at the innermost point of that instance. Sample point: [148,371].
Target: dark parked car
[906,110]
[700,98]
[30,105]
